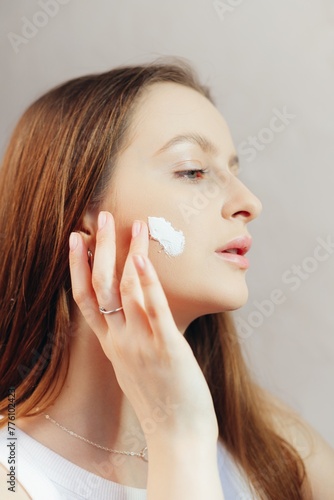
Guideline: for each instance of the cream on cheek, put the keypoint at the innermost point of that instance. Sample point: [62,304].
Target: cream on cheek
[171,240]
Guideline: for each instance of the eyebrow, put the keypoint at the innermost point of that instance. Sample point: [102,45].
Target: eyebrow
[203,142]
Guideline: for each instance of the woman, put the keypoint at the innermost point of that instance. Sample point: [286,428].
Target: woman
[137,170]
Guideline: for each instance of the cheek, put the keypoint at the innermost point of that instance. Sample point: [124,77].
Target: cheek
[175,249]
[172,247]
[171,240]
[175,242]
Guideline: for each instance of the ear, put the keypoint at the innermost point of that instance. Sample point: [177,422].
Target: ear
[88,228]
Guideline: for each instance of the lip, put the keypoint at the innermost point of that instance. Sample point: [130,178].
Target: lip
[242,245]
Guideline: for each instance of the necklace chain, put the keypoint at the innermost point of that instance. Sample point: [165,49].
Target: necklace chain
[141,454]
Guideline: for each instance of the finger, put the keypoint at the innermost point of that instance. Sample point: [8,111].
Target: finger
[130,288]
[104,279]
[82,290]
[156,305]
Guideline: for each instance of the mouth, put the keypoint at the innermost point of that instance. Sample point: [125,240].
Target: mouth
[235,251]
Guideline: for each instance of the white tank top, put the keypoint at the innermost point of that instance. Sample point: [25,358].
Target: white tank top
[45,474]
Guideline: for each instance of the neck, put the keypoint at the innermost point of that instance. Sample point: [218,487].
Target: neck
[92,405]
[91,394]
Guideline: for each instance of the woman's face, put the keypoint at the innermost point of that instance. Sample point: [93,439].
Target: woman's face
[172,131]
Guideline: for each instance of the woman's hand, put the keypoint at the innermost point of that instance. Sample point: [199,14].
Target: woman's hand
[153,363]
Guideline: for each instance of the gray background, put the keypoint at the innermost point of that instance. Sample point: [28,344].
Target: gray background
[259,57]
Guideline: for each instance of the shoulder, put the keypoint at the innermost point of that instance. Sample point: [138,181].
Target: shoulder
[317,455]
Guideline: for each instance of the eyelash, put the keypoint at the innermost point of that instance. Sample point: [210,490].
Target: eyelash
[183,174]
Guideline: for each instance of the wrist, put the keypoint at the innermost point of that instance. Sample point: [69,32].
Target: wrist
[179,445]
[172,430]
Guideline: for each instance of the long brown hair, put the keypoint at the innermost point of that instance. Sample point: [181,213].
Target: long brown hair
[59,161]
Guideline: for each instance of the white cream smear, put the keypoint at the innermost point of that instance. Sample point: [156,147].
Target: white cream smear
[171,240]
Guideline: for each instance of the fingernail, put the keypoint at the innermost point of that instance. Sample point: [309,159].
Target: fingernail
[102,218]
[73,241]
[136,226]
[139,261]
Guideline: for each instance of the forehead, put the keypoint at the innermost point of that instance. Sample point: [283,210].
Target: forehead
[168,109]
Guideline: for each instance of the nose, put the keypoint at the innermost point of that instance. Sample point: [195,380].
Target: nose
[240,202]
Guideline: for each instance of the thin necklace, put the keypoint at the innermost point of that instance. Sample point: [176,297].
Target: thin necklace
[141,454]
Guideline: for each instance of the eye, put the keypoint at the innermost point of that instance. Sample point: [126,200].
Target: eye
[234,166]
[235,169]
[193,175]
